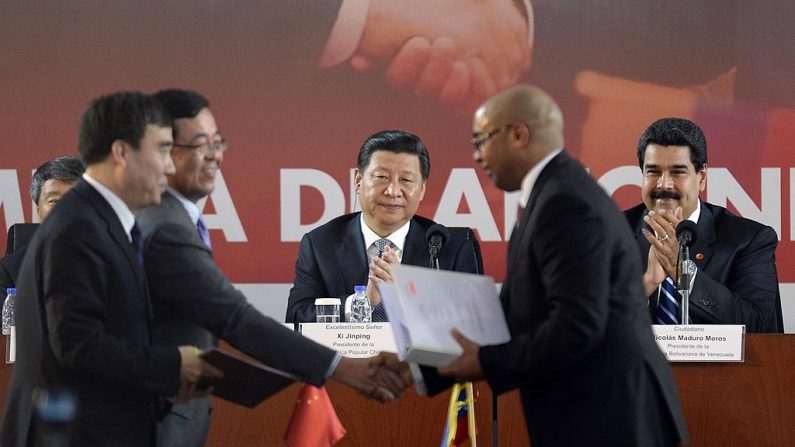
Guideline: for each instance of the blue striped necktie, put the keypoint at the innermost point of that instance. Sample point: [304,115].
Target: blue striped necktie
[668,304]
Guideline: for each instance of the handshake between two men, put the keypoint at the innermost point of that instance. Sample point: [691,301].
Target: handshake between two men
[382,377]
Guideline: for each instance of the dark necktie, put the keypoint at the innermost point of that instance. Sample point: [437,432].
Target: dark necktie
[137,243]
[668,304]
[204,232]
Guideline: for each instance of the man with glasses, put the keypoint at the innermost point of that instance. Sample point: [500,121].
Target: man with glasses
[581,352]
[193,301]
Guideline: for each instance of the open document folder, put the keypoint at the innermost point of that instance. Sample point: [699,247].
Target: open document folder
[423,306]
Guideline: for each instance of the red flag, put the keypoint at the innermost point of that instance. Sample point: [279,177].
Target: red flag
[314,422]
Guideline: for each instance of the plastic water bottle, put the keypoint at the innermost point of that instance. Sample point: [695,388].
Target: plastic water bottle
[8,311]
[361,311]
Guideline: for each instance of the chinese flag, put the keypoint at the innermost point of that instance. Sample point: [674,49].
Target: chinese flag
[314,422]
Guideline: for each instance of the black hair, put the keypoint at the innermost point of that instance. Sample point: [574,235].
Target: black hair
[118,116]
[675,132]
[397,141]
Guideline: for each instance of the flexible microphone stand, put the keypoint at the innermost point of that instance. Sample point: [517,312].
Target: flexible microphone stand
[686,234]
[684,284]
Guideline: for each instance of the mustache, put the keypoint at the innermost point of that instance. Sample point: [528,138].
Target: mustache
[665,194]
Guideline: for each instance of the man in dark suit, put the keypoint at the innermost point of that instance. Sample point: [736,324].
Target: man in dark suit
[735,277]
[49,183]
[581,351]
[194,301]
[83,320]
[391,171]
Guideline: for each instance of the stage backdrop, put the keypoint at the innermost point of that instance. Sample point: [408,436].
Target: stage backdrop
[297,86]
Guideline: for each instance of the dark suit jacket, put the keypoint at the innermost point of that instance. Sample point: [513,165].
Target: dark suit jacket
[736,281]
[581,352]
[83,323]
[333,259]
[9,268]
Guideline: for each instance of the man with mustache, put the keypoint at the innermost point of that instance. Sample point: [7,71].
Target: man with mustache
[193,300]
[735,279]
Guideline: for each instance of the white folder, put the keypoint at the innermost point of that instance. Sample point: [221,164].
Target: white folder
[424,305]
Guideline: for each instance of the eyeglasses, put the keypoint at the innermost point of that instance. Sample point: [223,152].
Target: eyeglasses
[215,146]
[479,139]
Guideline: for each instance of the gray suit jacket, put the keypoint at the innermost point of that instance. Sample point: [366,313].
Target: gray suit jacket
[185,283]
[193,300]
[581,352]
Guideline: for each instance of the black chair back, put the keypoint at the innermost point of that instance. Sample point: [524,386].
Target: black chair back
[469,235]
[18,235]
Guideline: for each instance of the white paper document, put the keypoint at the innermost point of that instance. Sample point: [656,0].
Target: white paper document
[424,305]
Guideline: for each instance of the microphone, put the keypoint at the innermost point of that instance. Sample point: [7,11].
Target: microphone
[436,236]
[687,233]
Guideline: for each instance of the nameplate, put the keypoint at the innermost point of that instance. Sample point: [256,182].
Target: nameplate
[701,342]
[352,339]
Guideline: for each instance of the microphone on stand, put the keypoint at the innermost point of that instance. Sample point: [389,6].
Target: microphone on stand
[436,236]
[687,235]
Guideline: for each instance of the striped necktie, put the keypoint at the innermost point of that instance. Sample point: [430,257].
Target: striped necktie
[668,304]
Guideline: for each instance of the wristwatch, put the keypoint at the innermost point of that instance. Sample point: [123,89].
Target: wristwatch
[689,267]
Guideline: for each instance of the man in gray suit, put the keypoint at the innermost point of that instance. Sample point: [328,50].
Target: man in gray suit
[193,300]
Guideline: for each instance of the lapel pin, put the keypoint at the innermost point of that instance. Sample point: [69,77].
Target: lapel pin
[699,256]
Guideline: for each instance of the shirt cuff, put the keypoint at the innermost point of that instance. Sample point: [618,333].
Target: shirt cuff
[334,362]
[419,381]
[346,33]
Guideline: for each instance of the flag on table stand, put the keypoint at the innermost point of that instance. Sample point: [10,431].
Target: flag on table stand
[314,422]
[460,425]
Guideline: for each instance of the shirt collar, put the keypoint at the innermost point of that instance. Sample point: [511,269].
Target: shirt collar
[530,178]
[190,207]
[696,213]
[122,211]
[398,237]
